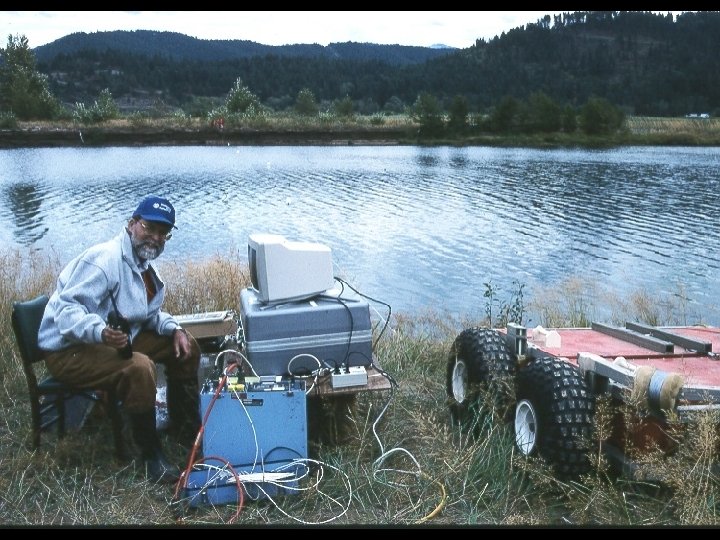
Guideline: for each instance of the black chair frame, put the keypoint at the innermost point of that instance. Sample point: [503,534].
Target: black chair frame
[49,398]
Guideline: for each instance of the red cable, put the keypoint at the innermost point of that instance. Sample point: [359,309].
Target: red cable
[182,481]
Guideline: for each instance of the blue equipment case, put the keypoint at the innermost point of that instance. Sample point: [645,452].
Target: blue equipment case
[261,431]
[280,337]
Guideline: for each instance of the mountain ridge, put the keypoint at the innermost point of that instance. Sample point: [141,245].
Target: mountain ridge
[177,46]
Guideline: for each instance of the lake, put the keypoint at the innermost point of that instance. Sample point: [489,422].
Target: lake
[416,227]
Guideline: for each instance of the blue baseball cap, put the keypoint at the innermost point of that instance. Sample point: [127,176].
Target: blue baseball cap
[157,209]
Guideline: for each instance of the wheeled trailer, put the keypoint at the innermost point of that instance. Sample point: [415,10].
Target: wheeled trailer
[548,384]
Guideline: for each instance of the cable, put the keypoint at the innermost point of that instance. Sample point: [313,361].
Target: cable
[184,477]
[385,374]
[441,504]
[387,319]
[338,299]
[345,506]
[238,353]
[419,473]
[314,374]
[384,455]
[312,356]
[211,481]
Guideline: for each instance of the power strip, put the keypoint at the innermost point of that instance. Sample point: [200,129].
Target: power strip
[357,376]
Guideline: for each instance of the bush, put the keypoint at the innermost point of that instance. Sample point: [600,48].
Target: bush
[103,109]
[7,120]
[377,119]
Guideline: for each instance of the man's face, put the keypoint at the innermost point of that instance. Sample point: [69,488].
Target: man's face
[148,238]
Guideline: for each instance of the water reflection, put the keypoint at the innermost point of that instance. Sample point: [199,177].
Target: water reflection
[24,204]
[427,160]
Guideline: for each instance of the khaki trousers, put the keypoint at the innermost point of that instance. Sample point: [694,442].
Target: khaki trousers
[134,379]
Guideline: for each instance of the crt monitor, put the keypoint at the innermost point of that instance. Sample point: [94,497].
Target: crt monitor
[282,270]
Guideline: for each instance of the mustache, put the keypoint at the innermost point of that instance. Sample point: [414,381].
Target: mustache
[148,249]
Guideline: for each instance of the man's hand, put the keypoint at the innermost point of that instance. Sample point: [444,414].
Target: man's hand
[181,343]
[114,338]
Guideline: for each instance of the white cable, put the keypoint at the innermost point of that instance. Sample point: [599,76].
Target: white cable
[345,506]
[241,355]
[314,374]
[289,370]
[384,455]
[377,420]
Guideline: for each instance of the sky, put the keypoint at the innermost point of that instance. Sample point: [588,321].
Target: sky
[421,28]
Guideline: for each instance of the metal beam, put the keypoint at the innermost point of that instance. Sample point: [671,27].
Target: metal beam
[649,342]
[682,341]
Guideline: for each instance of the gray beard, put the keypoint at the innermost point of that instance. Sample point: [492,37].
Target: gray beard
[149,253]
[146,251]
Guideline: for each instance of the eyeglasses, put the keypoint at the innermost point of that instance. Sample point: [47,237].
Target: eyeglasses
[153,231]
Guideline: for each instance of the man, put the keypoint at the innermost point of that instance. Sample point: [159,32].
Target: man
[108,282]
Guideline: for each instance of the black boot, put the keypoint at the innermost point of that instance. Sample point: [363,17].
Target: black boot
[183,403]
[145,434]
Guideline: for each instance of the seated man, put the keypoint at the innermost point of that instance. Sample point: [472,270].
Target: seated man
[104,328]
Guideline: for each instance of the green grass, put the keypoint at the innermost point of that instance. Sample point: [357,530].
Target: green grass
[402,463]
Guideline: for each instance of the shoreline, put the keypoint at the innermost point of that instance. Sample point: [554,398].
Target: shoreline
[106,136]
[639,131]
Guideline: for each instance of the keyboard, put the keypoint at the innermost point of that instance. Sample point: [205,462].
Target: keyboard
[202,317]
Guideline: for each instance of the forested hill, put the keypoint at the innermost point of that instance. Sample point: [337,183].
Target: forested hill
[175,46]
[648,64]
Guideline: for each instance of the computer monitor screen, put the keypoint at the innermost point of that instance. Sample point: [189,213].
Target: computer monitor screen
[282,270]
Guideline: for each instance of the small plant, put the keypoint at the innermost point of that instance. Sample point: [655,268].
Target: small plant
[7,120]
[377,119]
[103,109]
[491,295]
[241,100]
[81,114]
[510,311]
[138,118]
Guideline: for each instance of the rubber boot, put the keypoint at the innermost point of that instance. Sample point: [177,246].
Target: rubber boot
[145,434]
[183,402]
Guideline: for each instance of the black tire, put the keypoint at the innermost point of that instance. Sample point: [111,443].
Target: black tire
[554,415]
[479,363]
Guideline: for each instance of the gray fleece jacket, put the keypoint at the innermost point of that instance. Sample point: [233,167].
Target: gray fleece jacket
[78,309]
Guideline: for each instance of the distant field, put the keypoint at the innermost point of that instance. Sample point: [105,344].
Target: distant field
[656,125]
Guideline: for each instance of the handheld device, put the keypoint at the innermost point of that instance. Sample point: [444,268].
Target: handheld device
[118,322]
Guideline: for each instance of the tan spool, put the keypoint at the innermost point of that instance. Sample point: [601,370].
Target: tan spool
[639,394]
[669,391]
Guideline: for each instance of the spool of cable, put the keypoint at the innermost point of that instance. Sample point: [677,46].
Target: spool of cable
[654,390]
[642,377]
[663,391]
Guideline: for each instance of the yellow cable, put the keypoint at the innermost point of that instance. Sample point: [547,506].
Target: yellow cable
[440,506]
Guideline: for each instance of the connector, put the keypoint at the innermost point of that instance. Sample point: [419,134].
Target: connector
[353,376]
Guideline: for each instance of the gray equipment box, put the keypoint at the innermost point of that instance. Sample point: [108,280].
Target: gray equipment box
[285,339]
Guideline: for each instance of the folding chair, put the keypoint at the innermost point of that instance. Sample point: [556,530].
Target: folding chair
[49,398]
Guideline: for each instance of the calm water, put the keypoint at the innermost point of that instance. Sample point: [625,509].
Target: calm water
[414,227]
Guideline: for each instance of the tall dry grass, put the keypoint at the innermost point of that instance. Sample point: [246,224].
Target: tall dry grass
[673,131]
[275,122]
[578,301]
[402,464]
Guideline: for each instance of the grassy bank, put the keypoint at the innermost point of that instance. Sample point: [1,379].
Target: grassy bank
[331,130]
[402,464]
